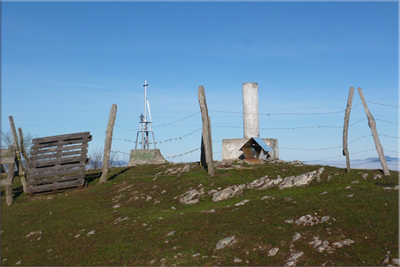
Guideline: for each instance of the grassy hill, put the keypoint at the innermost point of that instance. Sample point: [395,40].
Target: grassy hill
[136,218]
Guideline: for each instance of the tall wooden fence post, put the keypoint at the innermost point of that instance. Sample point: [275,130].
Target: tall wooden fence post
[346,128]
[206,132]
[21,171]
[108,141]
[22,145]
[372,125]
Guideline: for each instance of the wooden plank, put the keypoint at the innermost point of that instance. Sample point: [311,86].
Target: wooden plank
[56,138]
[108,142]
[38,150]
[346,127]
[35,189]
[5,153]
[62,169]
[206,132]
[7,161]
[56,179]
[372,125]
[61,161]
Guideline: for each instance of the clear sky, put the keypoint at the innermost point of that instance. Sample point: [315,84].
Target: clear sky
[65,63]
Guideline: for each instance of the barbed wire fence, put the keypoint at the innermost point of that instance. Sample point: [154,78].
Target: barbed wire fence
[268,114]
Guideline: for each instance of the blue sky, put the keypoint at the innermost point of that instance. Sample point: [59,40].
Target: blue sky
[65,63]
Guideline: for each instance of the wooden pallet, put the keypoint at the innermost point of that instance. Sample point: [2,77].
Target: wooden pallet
[57,162]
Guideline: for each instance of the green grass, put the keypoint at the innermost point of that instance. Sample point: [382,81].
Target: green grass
[370,218]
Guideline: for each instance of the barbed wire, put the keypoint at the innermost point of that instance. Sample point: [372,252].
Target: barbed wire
[396,137]
[383,104]
[281,128]
[160,142]
[114,151]
[387,121]
[283,113]
[165,124]
[126,128]
[191,151]
[339,155]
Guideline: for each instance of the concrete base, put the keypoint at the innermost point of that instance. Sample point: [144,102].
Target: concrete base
[231,147]
[151,156]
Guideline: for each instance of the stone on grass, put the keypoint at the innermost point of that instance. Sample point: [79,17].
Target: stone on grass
[337,244]
[171,233]
[267,197]
[91,232]
[300,180]
[296,236]
[237,260]
[228,241]
[273,252]
[191,196]
[242,202]
[228,192]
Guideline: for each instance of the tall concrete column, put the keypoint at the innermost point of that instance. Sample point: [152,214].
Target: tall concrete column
[251,124]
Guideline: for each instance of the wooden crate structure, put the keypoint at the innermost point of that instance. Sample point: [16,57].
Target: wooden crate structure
[8,157]
[57,162]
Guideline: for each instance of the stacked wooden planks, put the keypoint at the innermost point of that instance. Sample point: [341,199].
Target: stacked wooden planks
[8,157]
[57,162]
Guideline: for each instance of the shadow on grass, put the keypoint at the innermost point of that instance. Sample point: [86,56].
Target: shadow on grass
[115,175]
[90,177]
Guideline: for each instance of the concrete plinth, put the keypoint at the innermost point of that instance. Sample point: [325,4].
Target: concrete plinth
[150,156]
[231,147]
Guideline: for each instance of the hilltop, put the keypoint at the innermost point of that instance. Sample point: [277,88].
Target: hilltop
[271,214]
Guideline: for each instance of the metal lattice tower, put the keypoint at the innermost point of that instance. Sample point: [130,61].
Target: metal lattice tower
[145,124]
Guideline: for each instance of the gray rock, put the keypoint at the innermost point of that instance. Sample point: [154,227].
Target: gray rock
[242,202]
[300,180]
[171,233]
[237,260]
[228,192]
[396,261]
[377,176]
[347,242]
[297,236]
[267,197]
[273,252]
[191,196]
[365,175]
[228,241]
[258,182]
[289,221]
[337,244]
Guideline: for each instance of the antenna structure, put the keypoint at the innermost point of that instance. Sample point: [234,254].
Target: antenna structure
[145,124]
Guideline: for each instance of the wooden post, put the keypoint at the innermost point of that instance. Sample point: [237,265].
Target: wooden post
[108,141]
[372,125]
[206,132]
[21,172]
[346,127]
[22,145]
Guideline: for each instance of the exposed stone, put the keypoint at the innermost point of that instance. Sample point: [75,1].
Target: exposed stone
[228,241]
[196,255]
[212,191]
[347,242]
[210,211]
[300,180]
[365,175]
[273,252]
[355,182]
[171,233]
[237,260]
[242,202]
[310,220]
[289,221]
[191,196]
[91,232]
[350,195]
[297,236]
[323,193]
[293,259]
[267,197]
[377,176]
[296,163]
[396,261]
[258,182]
[337,244]
[228,192]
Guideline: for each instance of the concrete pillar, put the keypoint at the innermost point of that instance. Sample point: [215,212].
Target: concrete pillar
[251,123]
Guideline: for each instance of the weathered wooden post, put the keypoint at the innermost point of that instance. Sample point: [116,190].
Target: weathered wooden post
[206,132]
[21,172]
[346,127]
[22,145]
[372,125]
[108,141]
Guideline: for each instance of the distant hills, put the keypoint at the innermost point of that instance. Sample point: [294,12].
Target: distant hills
[376,159]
